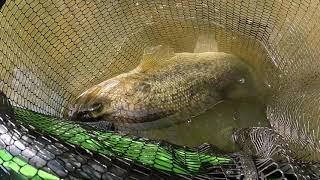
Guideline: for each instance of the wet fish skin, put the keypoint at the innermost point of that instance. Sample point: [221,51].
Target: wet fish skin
[182,85]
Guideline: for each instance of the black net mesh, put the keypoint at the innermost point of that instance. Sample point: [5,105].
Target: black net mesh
[51,51]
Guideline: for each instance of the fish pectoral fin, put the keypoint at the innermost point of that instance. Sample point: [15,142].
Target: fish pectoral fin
[155,57]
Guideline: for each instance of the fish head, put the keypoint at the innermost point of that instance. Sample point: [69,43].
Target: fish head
[108,100]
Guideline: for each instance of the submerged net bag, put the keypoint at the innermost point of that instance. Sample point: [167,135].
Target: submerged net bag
[51,51]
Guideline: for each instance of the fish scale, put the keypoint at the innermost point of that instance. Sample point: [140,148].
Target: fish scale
[173,88]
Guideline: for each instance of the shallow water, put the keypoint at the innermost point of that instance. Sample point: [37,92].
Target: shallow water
[215,126]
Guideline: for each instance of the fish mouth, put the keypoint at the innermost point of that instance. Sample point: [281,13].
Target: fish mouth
[127,127]
[82,116]
[101,125]
[86,114]
[97,123]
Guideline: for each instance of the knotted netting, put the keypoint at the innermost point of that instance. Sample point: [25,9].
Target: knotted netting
[52,51]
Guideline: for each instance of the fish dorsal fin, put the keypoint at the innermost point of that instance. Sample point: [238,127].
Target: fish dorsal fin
[155,57]
[206,42]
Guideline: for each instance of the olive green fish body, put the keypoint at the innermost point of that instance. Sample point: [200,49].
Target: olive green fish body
[185,84]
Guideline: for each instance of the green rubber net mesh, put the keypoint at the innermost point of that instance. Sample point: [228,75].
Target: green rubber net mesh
[52,51]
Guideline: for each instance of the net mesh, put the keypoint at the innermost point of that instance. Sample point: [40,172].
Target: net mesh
[51,51]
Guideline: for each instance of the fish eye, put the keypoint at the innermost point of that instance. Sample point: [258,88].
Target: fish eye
[96,107]
[242,80]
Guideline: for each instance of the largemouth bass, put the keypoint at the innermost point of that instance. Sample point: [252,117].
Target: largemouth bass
[165,85]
